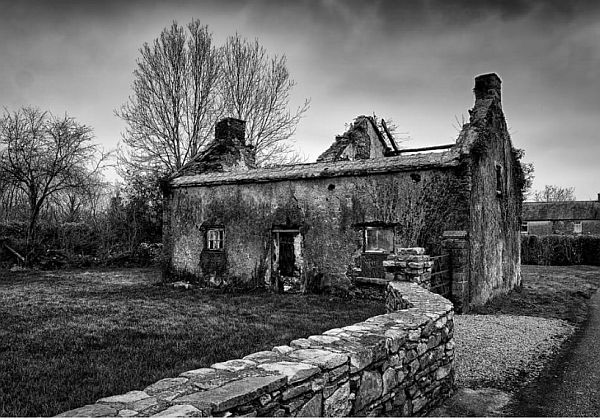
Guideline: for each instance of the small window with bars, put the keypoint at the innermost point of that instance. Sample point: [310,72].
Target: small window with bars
[215,238]
[577,227]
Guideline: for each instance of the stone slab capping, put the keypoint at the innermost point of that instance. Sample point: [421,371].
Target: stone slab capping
[396,364]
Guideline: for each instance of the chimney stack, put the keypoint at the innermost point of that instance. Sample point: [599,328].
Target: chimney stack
[487,86]
[599,197]
[231,128]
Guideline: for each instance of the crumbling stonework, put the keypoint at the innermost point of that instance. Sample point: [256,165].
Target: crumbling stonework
[410,265]
[396,364]
[456,245]
[330,222]
[362,141]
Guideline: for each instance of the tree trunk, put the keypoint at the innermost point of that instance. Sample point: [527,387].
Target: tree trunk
[30,243]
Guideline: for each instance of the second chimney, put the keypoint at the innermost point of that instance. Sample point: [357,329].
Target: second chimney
[231,128]
[487,86]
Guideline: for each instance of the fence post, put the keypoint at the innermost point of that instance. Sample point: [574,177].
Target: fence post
[456,245]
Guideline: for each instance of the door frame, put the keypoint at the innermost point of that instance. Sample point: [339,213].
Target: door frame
[275,243]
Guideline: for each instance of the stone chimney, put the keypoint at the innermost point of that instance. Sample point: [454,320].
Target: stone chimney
[488,107]
[599,197]
[487,86]
[231,128]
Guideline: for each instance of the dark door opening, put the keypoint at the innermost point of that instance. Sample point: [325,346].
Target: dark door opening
[287,258]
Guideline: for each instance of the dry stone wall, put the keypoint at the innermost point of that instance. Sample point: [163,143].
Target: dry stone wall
[398,364]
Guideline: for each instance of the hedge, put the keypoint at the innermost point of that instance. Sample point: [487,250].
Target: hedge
[557,249]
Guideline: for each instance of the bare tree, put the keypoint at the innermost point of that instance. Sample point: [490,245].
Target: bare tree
[174,105]
[256,88]
[553,193]
[528,176]
[42,155]
[81,202]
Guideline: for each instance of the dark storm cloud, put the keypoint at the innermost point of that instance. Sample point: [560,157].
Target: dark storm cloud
[414,61]
[461,12]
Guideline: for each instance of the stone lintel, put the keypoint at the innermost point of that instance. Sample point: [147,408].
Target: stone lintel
[455,234]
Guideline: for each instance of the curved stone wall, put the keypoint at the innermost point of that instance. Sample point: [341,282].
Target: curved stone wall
[396,364]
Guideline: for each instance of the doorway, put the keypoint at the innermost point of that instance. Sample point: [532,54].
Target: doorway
[287,260]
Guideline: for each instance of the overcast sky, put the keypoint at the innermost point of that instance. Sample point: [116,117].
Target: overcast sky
[413,62]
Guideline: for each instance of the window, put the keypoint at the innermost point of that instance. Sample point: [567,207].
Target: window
[379,239]
[524,227]
[499,180]
[215,238]
[577,228]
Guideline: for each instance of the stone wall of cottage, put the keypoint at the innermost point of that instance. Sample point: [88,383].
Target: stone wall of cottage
[495,196]
[396,364]
[328,212]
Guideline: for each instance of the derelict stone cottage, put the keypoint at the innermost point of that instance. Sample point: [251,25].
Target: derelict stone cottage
[332,221]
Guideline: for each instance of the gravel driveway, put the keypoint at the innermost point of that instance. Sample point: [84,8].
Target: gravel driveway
[499,350]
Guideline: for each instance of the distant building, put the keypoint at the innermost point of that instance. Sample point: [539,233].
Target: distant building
[225,220]
[563,217]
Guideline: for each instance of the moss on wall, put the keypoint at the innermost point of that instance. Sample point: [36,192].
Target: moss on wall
[495,214]
[329,213]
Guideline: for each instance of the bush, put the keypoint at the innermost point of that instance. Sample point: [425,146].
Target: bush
[560,250]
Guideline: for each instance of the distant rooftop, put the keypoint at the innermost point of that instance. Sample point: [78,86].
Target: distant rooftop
[561,210]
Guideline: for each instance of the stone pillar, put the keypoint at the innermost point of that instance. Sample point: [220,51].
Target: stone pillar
[409,264]
[456,245]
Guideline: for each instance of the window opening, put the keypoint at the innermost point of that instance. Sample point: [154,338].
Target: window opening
[499,180]
[215,238]
[379,239]
[577,227]
[524,227]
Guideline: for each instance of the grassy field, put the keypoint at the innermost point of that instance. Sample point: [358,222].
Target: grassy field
[552,292]
[69,338]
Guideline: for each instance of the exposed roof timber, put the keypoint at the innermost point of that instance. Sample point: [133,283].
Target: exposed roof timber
[389,134]
[378,132]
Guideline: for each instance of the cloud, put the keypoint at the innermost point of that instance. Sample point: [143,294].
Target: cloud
[412,61]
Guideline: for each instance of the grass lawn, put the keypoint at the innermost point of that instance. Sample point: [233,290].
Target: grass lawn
[552,292]
[70,338]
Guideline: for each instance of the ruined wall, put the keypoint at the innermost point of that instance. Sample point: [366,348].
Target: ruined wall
[397,364]
[361,141]
[495,208]
[329,213]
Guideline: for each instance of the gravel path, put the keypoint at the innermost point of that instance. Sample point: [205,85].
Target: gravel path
[572,386]
[499,350]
